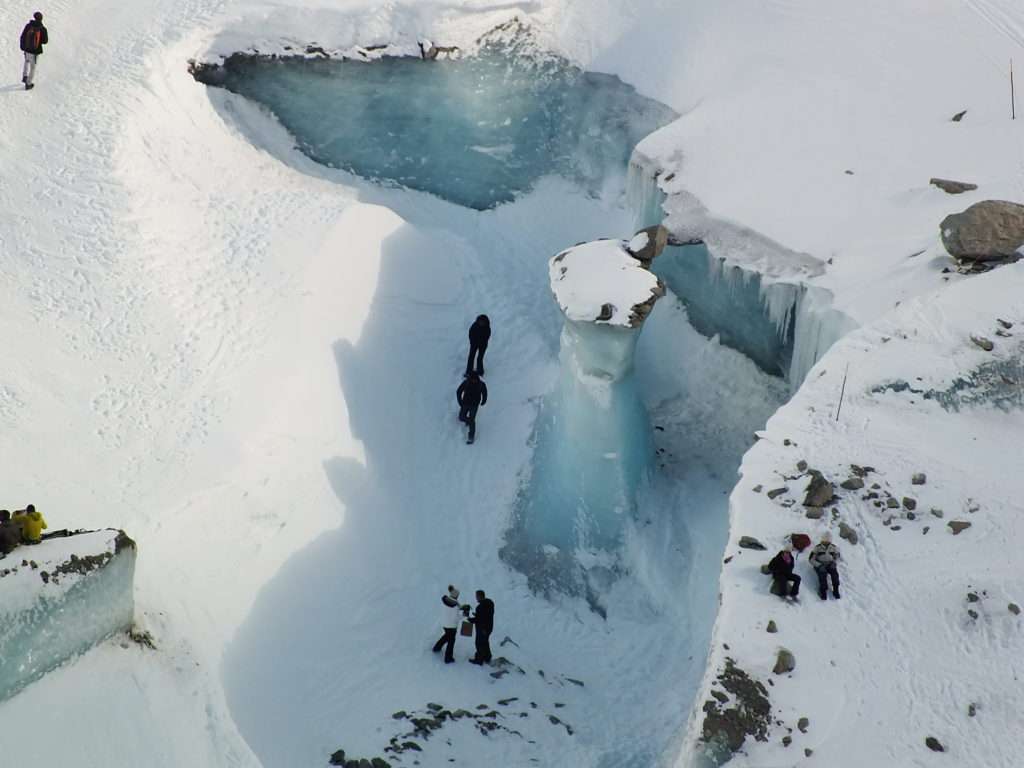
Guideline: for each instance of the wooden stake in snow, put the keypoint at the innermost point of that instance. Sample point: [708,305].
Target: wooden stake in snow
[842,391]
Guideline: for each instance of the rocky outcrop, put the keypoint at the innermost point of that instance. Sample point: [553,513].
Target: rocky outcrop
[992,230]
[746,712]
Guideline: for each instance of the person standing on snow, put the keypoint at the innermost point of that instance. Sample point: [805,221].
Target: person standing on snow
[33,38]
[471,394]
[483,624]
[451,615]
[479,335]
[825,559]
[781,569]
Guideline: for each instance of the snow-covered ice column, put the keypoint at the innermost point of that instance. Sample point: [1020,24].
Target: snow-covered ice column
[58,599]
[594,446]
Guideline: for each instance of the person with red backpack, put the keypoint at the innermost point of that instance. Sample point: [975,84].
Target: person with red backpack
[33,38]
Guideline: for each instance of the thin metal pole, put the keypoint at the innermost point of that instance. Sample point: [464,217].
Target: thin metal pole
[1013,100]
[842,392]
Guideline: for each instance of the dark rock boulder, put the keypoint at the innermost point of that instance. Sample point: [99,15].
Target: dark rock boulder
[934,744]
[785,662]
[953,187]
[749,542]
[819,491]
[846,532]
[958,526]
[991,230]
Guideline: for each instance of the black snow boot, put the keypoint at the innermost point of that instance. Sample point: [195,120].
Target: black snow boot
[823,594]
[29,86]
[835,593]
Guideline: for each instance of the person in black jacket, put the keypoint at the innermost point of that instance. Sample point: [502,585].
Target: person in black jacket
[483,623]
[781,569]
[33,38]
[471,394]
[479,335]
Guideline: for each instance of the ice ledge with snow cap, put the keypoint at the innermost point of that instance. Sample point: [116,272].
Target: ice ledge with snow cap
[609,281]
[59,598]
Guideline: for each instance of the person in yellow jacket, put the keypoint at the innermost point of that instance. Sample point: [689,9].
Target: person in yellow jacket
[31,523]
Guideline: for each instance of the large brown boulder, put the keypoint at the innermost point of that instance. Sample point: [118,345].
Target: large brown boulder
[991,230]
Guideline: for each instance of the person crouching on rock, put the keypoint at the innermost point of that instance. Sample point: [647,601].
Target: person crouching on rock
[825,559]
[781,569]
[451,615]
[471,394]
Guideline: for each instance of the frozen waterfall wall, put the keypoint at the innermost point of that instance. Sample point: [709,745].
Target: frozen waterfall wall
[783,324]
[58,599]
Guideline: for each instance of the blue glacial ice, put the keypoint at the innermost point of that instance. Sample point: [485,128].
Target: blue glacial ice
[476,131]
[60,598]
[784,325]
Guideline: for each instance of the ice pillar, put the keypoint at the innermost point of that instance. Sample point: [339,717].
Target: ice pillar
[595,444]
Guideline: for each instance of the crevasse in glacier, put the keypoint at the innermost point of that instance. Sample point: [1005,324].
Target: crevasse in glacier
[784,325]
[476,130]
[60,598]
[593,441]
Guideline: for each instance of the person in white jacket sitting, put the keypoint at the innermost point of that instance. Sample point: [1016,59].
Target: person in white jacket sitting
[825,559]
[451,615]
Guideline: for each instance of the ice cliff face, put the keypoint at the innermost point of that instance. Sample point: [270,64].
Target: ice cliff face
[594,441]
[58,599]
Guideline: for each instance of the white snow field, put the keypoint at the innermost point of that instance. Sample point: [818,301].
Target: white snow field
[247,361]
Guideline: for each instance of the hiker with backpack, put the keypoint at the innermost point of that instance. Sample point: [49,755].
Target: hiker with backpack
[483,625]
[471,394]
[33,37]
[825,559]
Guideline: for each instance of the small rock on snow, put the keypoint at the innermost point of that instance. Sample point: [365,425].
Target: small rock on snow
[852,484]
[909,503]
[933,744]
[982,342]
[958,525]
[749,542]
[846,532]
[773,628]
[1014,609]
[776,492]
[919,478]
[802,724]
[784,662]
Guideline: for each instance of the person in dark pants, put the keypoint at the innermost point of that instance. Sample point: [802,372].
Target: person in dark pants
[471,394]
[33,38]
[479,335]
[781,569]
[825,559]
[483,622]
[451,615]
[10,534]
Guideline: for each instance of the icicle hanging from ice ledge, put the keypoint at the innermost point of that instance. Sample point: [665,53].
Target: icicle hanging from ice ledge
[784,325]
[594,445]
